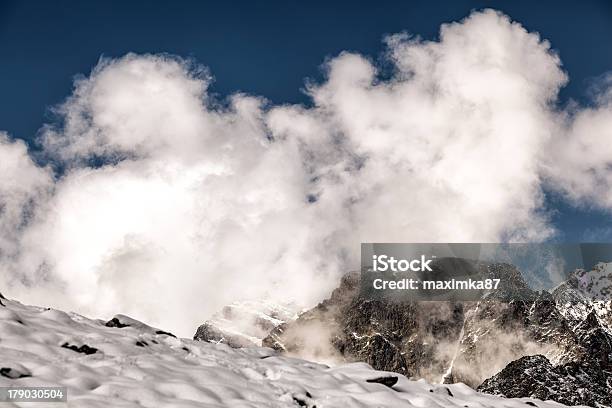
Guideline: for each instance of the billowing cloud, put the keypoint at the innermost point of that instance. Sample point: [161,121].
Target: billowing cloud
[578,162]
[449,146]
[23,186]
[170,205]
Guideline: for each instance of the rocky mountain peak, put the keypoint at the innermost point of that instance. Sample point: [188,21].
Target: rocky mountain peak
[488,342]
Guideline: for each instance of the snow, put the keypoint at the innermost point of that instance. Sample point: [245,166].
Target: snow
[594,292]
[250,321]
[173,372]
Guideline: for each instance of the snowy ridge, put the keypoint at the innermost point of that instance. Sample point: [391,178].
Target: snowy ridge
[129,364]
[246,323]
[587,291]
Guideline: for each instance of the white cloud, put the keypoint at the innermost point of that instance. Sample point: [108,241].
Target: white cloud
[450,145]
[172,205]
[23,185]
[194,207]
[579,161]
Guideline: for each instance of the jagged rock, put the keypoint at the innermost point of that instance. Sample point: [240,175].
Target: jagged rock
[390,336]
[586,380]
[595,339]
[586,291]
[377,351]
[587,383]
[497,333]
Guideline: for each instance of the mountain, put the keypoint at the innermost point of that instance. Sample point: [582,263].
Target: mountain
[586,380]
[585,291]
[466,342]
[404,337]
[432,340]
[125,363]
[571,383]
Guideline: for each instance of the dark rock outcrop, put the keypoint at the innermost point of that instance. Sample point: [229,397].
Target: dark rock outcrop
[114,322]
[84,349]
[576,383]
[586,380]
[14,372]
[389,381]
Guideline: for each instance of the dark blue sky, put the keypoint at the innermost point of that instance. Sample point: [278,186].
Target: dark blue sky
[264,48]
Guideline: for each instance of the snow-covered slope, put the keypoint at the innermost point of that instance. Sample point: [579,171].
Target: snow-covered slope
[129,364]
